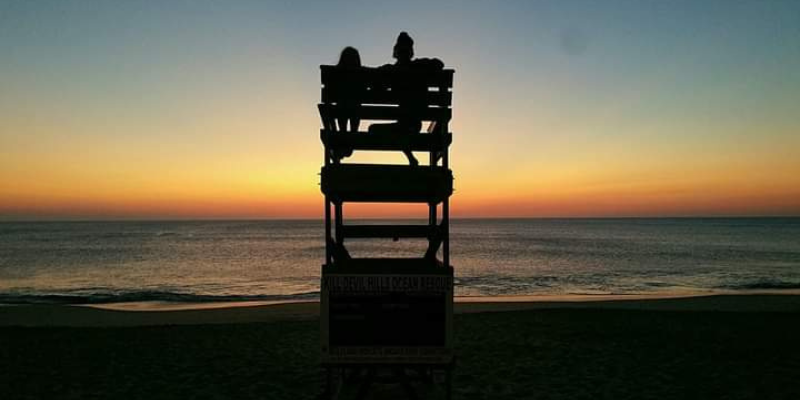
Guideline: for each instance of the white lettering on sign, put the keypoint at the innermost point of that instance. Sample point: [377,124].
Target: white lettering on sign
[387,283]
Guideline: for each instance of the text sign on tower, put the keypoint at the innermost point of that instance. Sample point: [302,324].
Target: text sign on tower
[387,318]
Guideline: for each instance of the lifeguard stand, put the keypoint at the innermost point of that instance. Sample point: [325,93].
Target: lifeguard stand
[386,312]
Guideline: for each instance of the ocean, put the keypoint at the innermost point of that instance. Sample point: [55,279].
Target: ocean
[200,261]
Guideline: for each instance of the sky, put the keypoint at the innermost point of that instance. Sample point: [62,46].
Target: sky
[207,109]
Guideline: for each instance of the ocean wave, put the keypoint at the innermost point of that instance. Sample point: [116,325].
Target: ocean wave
[761,284]
[140,296]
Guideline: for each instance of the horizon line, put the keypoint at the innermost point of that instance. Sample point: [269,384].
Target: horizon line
[256,219]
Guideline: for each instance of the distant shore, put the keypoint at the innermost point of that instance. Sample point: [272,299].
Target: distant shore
[165,313]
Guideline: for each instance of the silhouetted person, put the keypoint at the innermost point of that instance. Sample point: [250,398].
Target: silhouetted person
[348,96]
[411,94]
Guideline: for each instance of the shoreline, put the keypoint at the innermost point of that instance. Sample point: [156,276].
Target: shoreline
[156,306]
[177,305]
[160,313]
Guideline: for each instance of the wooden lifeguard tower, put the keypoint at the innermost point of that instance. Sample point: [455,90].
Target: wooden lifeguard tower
[390,313]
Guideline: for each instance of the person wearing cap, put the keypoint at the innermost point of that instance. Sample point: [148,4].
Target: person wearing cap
[411,94]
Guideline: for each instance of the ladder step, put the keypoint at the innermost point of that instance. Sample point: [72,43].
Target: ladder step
[387,141]
[388,231]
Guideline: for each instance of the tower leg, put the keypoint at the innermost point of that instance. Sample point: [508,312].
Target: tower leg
[328,250]
[339,234]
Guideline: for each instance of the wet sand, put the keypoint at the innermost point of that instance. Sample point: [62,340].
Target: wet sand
[739,347]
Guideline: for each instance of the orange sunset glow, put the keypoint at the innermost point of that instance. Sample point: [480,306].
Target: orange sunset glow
[567,116]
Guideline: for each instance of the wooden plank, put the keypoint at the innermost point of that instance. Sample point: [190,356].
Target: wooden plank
[386,183]
[332,94]
[383,265]
[386,113]
[385,141]
[386,76]
[388,231]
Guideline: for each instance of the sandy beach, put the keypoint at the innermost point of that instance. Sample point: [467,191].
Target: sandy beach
[166,313]
[722,346]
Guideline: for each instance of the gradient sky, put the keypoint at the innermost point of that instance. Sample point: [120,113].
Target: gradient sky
[195,109]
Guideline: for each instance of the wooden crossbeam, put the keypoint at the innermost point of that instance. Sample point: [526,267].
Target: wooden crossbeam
[386,183]
[385,97]
[385,142]
[385,77]
[380,113]
[388,231]
[371,265]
